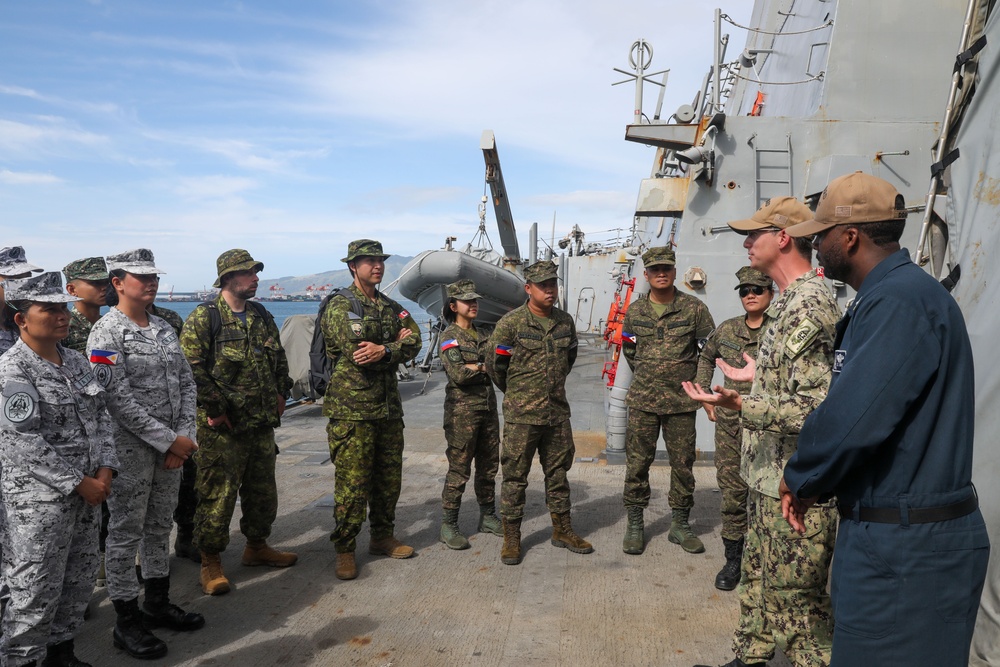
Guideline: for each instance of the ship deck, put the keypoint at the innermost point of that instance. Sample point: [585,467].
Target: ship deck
[446,607]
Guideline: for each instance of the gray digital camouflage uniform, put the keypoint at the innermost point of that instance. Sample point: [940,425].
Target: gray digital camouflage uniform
[151,397]
[782,591]
[54,430]
[365,431]
[530,363]
[471,423]
[663,352]
[7,339]
[239,372]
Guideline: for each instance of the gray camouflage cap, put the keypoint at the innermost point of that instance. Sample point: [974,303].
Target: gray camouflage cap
[463,290]
[14,263]
[89,268]
[236,259]
[138,262]
[539,272]
[659,256]
[45,287]
[364,248]
[749,276]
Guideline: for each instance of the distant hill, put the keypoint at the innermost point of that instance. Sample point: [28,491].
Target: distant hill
[340,277]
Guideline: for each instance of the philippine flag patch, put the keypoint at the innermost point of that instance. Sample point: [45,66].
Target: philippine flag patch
[448,344]
[103,357]
[630,337]
[504,350]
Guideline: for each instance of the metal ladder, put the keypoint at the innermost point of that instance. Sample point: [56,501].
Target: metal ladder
[757,166]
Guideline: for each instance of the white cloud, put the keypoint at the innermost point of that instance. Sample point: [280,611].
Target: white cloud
[213,187]
[50,135]
[25,178]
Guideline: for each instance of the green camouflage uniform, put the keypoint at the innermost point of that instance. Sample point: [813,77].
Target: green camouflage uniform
[471,423]
[729,342]
[239,372]
[171,316]
[79,331]
[783,599]
[663,354]
[92,269]
[529,364]
[366,415]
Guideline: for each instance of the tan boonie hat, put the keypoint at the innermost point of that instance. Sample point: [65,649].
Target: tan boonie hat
[138,262]
[89,268]
[854,199]
[749,276]
[778,212]
[539,272]
[659,256]
[364,248]
[46,287]
[463,290]
[236,259]
[14,263]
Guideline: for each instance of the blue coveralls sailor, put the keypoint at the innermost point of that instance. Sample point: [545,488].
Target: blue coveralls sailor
[895,433]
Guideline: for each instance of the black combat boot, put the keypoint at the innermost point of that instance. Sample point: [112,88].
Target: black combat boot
[131,635]
[61,655]
[184,543]
[729,575]
[736,662]
[158,612]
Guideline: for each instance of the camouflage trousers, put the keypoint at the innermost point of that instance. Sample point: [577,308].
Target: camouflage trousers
[187,496]
[231,464]
[783,598]
[640,451]
[471,436]
[141,506]
[50,563]
[555,448]
[728,439]
[368,457]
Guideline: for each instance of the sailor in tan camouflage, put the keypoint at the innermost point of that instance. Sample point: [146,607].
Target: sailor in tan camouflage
[661,336]
[367,336]
[87,279]
[730,341]
[783,598]
[471,423]
[533,350]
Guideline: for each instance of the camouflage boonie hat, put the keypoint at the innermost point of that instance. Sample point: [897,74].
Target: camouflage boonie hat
[46,287]
[659,255]
[89,268]
[138,262]
[776,212]
[854,199]
[748,276]
[539,272]
[364,248]
[463,290]
[14,263]
[236,259]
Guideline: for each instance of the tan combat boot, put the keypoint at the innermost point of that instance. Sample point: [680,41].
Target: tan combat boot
[346,568]
[389,546]
[258,553]
[213,580]
[510,553]
[564,537]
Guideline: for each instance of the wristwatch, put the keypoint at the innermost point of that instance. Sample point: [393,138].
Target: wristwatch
[481,367]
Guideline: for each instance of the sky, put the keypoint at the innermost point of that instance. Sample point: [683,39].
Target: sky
[291,128]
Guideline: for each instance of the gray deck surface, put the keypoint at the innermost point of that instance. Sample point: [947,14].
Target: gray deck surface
[446,607]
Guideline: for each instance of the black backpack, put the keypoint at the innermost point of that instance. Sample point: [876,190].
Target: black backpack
[215,318]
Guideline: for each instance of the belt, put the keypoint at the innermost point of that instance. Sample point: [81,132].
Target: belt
[914,514]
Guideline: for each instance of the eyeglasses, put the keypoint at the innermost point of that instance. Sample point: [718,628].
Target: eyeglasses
[756,289]
[755,234]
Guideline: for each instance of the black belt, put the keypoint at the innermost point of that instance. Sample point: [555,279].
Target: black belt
[914,515]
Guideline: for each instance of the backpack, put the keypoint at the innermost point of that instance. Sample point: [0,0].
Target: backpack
[321,365]
[215,318]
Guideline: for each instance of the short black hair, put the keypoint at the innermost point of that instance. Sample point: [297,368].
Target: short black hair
[884,232]
[804,245]
[447,313]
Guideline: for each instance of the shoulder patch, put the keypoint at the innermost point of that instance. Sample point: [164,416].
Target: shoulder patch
[108,357]
[802,336]
[20,400]
[403,314]
[103,374]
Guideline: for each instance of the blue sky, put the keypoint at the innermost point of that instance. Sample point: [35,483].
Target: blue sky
[291,128]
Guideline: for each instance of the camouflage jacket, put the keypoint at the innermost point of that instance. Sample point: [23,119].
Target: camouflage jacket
[370,391]
[793,374]
[663,352]
[530,365]
[54,429]
[467,390]
[79,331]
[728,342]
[151,391]
[7,339]
[171,316]
[240,371]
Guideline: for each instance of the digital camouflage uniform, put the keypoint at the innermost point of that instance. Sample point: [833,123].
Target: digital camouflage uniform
[89,268]
[7,339]
[663,352]
[366,414]
[530,364]
[151,397]
[783,598]
[54,431]
[239,372]
[79,331]
[12,263]
[471,423]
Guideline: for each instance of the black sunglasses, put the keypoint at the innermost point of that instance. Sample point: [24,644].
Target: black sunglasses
[756,289]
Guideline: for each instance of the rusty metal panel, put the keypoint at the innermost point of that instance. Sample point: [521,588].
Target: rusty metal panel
[662,196]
